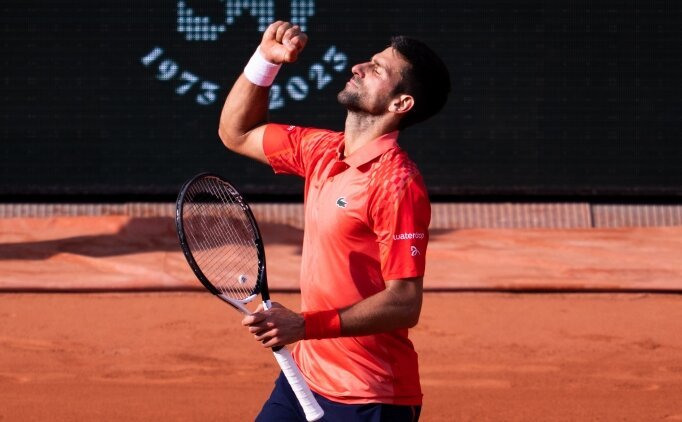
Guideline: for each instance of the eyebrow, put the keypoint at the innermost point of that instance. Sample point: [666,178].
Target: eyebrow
[380,63]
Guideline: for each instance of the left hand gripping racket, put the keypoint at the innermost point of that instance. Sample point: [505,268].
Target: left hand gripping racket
[221,241]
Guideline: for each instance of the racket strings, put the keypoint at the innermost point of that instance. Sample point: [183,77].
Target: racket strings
[223,263]
[222,238]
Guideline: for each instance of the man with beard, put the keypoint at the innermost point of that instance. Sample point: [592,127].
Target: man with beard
[367,215]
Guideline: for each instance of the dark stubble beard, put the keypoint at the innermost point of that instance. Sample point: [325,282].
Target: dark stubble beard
[350,100]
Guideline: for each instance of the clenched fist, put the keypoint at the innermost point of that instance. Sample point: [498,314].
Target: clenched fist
[282,42]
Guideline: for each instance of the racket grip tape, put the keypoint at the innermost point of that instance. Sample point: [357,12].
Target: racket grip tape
[312,409]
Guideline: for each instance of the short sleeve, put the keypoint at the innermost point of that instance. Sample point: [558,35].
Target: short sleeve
[290,149]
[401,216]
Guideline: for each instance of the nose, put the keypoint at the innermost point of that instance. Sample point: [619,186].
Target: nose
[358,69]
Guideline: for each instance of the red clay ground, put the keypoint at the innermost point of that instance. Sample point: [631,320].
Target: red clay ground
[484,356]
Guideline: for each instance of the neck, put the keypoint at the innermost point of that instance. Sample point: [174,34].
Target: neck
[362,129]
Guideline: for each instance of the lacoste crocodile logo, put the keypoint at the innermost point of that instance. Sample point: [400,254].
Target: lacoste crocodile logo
[341,202]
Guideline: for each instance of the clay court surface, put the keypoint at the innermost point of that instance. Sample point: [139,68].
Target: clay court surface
[100,319]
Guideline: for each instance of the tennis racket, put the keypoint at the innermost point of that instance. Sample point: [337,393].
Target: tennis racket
[221,241]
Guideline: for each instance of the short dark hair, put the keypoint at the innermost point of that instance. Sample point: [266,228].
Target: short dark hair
[427,79]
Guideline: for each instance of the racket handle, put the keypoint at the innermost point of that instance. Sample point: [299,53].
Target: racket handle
[312,410]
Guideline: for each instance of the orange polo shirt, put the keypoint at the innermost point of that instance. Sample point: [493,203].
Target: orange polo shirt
[366,221]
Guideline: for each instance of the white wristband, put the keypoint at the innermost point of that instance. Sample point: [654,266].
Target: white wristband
[260,71]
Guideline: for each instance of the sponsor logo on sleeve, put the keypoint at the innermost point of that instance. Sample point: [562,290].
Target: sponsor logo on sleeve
[408,236]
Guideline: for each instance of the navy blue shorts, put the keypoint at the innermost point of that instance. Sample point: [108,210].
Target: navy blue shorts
[282,406]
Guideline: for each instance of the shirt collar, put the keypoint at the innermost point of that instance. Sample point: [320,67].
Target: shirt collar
[372,150]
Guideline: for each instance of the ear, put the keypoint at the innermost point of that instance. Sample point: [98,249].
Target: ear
[401,104]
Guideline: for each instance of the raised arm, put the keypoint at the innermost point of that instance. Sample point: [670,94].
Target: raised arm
[246,107]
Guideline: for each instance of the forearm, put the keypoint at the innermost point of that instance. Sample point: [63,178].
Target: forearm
[382,312]
[245,108]
[396,307]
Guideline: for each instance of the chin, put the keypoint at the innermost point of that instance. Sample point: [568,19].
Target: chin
[349,100]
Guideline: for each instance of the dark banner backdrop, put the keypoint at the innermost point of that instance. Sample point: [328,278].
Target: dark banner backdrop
[550,98]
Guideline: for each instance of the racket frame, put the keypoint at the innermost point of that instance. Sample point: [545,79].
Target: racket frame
[311,408]
[261,286]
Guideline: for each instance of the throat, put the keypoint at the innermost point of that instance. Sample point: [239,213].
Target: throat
[361,129]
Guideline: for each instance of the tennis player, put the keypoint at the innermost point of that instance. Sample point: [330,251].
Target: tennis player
[367,215]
